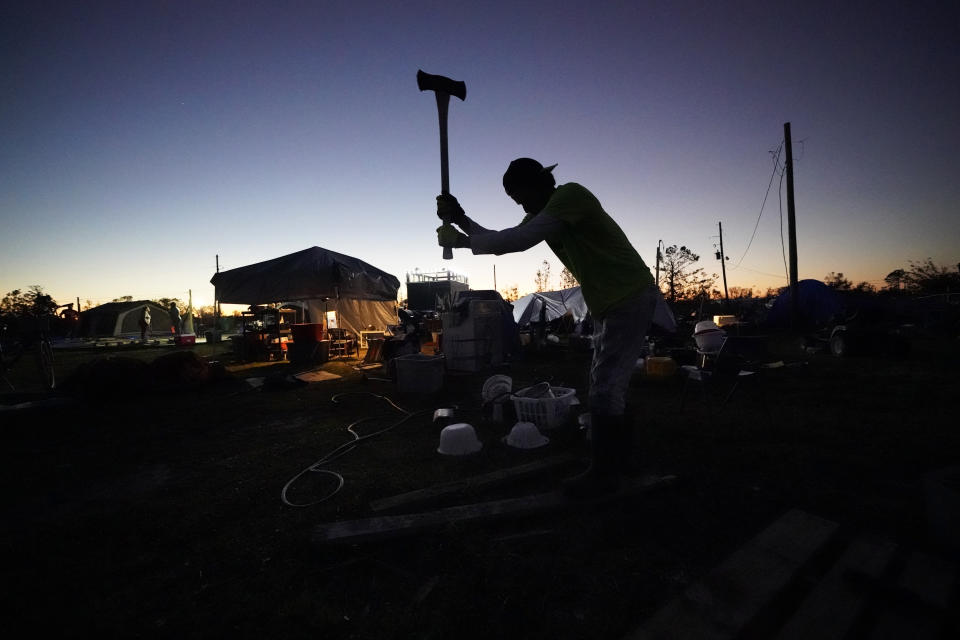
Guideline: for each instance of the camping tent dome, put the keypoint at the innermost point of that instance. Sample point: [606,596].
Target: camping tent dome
[550,305]
[123,318]
[816,302]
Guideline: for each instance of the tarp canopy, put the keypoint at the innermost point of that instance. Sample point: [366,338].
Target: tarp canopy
[313,273]
[318,280]
[555,304]
[123,318]
[816,302]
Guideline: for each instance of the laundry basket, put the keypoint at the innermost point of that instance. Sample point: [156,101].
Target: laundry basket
[545,412]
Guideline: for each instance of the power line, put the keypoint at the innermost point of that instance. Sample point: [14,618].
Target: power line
[763,273]
[776,166]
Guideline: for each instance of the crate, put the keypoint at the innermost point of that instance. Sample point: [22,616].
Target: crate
[185,340]
[546,413]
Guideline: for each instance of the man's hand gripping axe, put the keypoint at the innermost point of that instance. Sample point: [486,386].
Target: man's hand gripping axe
[443,88]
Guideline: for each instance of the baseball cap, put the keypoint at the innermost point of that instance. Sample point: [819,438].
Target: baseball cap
[527,171]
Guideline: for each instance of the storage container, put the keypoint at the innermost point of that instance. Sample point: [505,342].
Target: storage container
[307,332]
[419,373]
[300,352]
[660,367]
[723,321]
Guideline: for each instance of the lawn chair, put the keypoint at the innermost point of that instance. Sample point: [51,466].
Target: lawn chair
[739,361]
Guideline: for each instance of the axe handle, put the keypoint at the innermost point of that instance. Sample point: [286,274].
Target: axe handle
[443,103]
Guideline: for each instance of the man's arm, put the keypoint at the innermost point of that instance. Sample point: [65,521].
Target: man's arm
[520,238]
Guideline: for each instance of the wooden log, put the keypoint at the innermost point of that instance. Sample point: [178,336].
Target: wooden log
[735,593]
[382,527]
[485,481]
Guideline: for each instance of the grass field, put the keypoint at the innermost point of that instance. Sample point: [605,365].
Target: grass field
[133,513]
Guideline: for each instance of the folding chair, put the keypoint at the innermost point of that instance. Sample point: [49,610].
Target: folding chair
[738,361]
[341,343]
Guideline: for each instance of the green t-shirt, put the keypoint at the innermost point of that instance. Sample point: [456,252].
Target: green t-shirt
[595,249]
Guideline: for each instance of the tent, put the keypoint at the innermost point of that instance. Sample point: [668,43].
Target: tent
[123,318]
[817,303]
[551,305]
[555,304]
[317,280]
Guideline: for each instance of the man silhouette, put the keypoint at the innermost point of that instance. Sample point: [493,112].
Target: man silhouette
[616,284]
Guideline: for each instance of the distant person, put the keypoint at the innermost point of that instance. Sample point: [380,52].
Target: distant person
[144,322]
[175,322]
[617,286]
[71,319]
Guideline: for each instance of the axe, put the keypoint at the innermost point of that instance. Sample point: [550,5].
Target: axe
[443,88]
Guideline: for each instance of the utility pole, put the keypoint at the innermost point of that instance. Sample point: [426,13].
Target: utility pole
[673,295]
[723,264]
[216,303]
[494,277]
[659,258]
[791,228]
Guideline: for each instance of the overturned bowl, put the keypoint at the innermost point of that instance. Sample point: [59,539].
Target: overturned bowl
[525,435]
[459,440]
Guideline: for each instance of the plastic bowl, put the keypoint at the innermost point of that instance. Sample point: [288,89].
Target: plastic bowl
[525,435]
[459,440]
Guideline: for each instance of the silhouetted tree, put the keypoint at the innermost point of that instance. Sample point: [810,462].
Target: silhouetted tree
[567,279]
[510,294]
[165,303]
[32,302]
[542,279]
[741,292]
[927,277]
[896,279]
[682,279]
[837,281]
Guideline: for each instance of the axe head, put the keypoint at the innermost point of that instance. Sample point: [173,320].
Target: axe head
[441,84]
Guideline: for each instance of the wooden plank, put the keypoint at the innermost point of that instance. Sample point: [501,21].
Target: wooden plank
[382,527]
[837,602]
[723,603]
[488,480]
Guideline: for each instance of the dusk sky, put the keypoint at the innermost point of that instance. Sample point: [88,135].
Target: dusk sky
[141,139]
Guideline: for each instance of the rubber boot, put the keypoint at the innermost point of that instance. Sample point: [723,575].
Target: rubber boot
[603,474]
